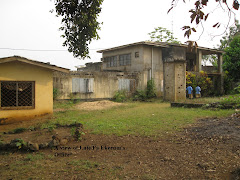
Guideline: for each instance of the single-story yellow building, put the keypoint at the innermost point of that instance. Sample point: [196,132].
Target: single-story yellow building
[26,88]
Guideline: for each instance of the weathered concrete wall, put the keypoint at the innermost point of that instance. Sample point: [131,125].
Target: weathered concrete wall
[136,62]
[148,64]
[97,66]
[174,73]
[105,84]
[17,71]
[153,67]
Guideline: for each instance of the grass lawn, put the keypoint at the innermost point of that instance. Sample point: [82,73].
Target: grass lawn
[135,118]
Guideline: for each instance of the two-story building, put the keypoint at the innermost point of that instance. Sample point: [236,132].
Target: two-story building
[164,62]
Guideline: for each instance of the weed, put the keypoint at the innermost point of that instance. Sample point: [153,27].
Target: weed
[17,130]
[120,96]
[34,157]
[140,95]
[77,133]
[19,143]
[231,101]
[56,93]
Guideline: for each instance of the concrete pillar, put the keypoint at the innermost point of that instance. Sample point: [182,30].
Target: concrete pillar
[220,71]
[220,60]
[199,61]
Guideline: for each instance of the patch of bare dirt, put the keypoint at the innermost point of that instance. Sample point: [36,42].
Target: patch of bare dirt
[97,105]
[209,149]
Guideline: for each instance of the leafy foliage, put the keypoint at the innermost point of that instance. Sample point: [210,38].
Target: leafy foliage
[80,25]
[55,93]
[201,80]
[198,14]
[227,85]
[151,89]
[210,58]
[120,96]
[225,41]
[140,95]
[19,143]
[232,101]
[237,90]
[161,34]
[231,59]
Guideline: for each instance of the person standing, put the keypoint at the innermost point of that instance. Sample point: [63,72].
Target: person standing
[189,91]
[198,92]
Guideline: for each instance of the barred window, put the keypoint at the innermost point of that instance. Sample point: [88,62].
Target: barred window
[17,94]
[125,59]
[111,61]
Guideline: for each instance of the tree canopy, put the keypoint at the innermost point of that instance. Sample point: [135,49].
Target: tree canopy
[231,59]
[79,23]
[233,31]
[161,34]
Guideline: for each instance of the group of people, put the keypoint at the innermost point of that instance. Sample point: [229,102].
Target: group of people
[190,92]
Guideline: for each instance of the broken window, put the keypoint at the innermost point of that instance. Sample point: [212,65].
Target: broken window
[125,59]
[82,85]
[17,94]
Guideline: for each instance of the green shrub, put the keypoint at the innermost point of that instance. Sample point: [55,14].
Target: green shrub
[236,90]
[120,96]
[227,83]
[140,95]
[151,90]
[56,93]
[201,80]
[233,101]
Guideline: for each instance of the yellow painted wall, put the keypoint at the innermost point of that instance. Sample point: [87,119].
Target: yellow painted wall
[18,71]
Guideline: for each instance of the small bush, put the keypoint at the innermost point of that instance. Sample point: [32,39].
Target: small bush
[231,101]
[120,96]
[56,93]
[140,95]
[151,90]
[77,133]
[236,90]
[227,83]
[201,80]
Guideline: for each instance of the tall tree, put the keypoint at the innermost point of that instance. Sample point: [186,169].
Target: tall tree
[161,34]
[233,31]
[231,59]
[79,23]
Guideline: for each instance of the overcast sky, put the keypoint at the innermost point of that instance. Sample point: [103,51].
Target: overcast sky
[28,25]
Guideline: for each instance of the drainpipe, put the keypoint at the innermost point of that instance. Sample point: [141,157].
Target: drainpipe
[152,65]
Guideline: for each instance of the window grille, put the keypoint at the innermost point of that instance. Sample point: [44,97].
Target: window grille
[82,85]
[17,94]
[125,59]
[111,61]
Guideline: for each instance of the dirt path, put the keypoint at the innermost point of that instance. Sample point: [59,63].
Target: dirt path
[209,149]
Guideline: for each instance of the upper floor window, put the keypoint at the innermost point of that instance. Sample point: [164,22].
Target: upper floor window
[136,54]
[125,59]
[17,94]
[111,61]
